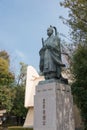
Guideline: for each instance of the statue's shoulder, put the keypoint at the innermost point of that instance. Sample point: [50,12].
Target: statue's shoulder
[46,40]
[56,37]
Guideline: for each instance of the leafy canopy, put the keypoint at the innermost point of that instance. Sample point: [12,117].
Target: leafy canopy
[77,21]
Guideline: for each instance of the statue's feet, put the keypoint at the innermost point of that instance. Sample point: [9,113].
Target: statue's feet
[50,76]
[64,80]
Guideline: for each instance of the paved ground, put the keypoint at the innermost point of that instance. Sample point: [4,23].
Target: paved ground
[3,128]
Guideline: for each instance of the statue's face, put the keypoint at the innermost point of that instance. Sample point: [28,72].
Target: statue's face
[49,31]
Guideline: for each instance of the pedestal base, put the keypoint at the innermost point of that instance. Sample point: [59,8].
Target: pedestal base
[53,107]
[29,118]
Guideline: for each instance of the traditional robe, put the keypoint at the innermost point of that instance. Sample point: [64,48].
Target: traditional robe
[50,56]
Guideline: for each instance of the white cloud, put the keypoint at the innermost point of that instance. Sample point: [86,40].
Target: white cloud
[20,54]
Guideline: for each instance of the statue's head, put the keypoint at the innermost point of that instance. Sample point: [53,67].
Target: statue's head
[50,31]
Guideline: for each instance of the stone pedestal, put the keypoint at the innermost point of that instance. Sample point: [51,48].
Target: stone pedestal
[53,106]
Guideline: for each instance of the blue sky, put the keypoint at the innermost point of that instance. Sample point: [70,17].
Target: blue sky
[22,25]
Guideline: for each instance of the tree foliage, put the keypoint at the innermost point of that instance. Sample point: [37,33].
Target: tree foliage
[12,95]
[77,21]
[6,77]
[7,95]
[18,105]
[5,55]
[80,64]
[22,74]
[6,80]
[79,86]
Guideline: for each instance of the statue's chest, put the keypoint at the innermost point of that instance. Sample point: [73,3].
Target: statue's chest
[49,41]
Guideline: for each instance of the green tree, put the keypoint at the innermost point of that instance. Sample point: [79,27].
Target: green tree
[18,106]
[12,96]
[77,21]
[5,55]
[79,86]
[6,77]
[22,74]
[6,98]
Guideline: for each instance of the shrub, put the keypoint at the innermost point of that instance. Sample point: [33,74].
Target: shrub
[19,128]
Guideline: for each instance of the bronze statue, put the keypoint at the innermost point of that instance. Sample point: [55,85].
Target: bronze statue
[50,55]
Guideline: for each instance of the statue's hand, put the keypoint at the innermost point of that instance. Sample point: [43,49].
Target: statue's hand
[48,47]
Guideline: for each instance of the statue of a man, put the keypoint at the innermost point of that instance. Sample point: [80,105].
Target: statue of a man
[50,55]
